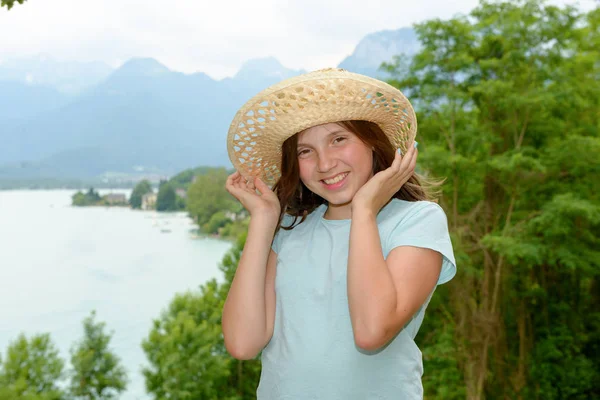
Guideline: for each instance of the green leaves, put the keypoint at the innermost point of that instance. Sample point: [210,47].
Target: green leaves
[31,369]
[141,188]
[186,351]
[10,3]
[97,371]
[507,100]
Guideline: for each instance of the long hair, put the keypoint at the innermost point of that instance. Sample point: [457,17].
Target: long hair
[298,201]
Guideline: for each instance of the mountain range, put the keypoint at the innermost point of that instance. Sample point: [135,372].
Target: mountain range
[87,120]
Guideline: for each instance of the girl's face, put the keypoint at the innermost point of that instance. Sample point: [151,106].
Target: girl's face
[334,163]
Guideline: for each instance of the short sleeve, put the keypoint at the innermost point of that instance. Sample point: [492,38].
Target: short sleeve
[425,227]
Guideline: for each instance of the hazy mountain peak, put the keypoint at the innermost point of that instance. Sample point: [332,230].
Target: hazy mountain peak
[379,47]
[265,67]
[138,66]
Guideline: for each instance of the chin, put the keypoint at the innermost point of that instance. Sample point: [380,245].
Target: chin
[339,200]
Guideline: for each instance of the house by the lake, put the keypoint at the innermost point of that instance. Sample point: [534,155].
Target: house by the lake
[115,198]
[149,201]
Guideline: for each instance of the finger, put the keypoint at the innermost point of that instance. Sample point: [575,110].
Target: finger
[408,167]
[238,182]
[248,189]
[397,160]
[237,192]
[413,158]
[231,178]
[262,187]
[408,158]
[250,184]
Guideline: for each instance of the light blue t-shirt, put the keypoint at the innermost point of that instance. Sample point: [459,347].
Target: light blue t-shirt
[312,354]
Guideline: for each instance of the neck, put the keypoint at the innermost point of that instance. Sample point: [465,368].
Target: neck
[338,211]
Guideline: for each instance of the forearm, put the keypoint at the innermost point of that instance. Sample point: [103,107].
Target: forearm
[372,296]
[244,320]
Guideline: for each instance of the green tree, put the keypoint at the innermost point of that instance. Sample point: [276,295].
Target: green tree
[186,351]
[185,178]
[140,189]
[507,100]
[32,369]
[217,221]
[97,371]
[90,198]
[207,196]
[166,200]
[10,3]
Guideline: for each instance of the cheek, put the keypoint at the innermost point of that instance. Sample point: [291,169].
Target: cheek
[305,170]
[361,160]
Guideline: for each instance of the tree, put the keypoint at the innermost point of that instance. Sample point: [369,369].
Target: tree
[140,189]
[186,351]
[507,100]
[32,369]
[97,371]
[166,200]
[207,196]
[10,3]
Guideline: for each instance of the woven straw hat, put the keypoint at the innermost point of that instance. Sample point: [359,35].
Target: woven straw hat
[260,127]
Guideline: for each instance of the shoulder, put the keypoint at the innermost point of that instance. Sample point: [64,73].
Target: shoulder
[411,212]
[420,224]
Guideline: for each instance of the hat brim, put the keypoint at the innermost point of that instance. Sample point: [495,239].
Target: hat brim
[260,126]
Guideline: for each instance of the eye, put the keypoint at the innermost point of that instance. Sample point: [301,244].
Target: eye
[339,139]
[303,152]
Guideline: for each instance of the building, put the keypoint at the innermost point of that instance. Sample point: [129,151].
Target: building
[149,201]
[115,198]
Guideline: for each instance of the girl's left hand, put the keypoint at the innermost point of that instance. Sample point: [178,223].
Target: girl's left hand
[382,186]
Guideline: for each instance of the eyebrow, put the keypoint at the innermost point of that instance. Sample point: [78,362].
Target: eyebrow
[335,132]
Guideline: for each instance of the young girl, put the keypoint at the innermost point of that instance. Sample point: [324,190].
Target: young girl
[346,248]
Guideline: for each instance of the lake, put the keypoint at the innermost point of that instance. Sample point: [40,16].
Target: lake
[58,263]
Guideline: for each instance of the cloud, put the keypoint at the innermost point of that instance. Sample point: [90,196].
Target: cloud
[215,37]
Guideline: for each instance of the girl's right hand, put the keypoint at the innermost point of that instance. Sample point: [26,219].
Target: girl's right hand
[264,203]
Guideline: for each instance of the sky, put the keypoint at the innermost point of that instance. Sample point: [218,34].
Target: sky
[216,36]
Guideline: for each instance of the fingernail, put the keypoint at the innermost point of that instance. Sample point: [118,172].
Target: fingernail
[416,144]
[399,151]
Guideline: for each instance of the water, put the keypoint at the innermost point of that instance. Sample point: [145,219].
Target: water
[57,263]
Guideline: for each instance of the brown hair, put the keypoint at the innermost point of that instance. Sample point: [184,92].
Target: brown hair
[298,201]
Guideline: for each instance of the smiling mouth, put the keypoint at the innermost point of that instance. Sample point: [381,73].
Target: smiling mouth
[335,179]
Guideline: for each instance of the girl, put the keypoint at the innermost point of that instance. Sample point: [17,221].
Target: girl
[344,251]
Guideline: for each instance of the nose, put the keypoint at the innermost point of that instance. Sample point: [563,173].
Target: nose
[326,161]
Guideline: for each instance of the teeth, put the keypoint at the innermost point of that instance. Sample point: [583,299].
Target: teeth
[335,180]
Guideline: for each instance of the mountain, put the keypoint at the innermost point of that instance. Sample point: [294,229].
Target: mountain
[379,47]
[19,100]
[143,117]
[68,77]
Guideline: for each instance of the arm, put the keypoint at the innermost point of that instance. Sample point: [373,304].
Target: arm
[384,294]
[249,310]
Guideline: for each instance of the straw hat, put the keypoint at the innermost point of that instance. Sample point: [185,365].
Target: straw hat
[260,127]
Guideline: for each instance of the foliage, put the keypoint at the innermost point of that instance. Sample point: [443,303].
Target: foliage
[185,347]
[216,222]
[10,3]
[166,200]
[90,198]
[31,370]
[185,178]
[207,196]
[507,101]
[141,188]
[97,373]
